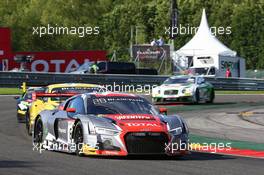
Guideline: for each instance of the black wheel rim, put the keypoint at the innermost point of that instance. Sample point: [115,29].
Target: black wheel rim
[39,132]
[78,138]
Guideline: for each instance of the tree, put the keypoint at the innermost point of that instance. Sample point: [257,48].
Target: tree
[116,17]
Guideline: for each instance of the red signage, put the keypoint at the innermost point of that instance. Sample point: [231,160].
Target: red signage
[62,61]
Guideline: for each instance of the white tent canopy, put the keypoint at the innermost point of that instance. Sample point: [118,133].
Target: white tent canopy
[204,43]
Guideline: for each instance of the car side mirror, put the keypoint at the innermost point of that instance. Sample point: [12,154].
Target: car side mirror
[163,111]
[70,110]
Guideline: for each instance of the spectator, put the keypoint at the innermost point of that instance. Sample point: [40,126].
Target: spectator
[153,42]
[228,73]
[94,68]
[160,41]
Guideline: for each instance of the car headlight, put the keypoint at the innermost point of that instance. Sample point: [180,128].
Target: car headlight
[176,131]
[186,90]
[99,130]
[156,91]
[106,131]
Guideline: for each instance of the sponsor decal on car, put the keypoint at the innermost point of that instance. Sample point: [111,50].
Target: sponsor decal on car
[131,117]
[142,124]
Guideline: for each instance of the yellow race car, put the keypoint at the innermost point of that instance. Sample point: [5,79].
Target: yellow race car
[42,101]
[24,101]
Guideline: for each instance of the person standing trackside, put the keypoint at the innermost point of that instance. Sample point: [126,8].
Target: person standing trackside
[153,42]
[94,68]
[228,73]
[160,41]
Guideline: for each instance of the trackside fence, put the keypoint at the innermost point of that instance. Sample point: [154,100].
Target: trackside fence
[15,79]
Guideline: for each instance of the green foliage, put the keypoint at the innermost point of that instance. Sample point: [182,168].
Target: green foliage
[116,18]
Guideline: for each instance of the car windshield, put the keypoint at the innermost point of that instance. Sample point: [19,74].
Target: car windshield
[120,105]
[28,95]
[186,80]
[79,90]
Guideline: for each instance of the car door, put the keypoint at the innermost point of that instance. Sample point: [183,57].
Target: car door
[64,122]
[58,116]
[203,88]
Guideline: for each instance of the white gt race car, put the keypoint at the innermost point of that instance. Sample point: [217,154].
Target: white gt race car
[184,88]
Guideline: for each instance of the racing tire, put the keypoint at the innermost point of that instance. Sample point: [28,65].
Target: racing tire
[38,133]
[211,97]
[156,100]
[19,120]
[78,138]
[27,121]
[196,97]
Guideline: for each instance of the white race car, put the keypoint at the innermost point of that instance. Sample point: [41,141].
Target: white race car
[184,88]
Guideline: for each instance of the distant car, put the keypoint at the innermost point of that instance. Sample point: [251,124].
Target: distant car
[24,101]
[83,69]
[110,124]
[40,104]
[116,68]
[184,88]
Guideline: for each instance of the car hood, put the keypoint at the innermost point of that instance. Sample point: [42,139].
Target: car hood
[137,122]
[175,86]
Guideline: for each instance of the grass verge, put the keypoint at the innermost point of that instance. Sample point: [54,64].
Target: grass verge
[234,143]
[10,91]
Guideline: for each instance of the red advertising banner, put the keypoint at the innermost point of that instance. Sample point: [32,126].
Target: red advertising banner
[62,61]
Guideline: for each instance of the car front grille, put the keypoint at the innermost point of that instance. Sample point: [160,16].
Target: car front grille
[146,142]
[171,92]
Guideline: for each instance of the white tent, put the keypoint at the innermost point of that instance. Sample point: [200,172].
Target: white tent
[205,52]
[204,43]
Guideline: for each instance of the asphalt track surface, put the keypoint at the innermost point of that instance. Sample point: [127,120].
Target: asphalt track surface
[17,157]
[228,123]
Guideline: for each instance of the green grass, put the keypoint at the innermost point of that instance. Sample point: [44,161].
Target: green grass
[10,91]
[234,143]
[239,92]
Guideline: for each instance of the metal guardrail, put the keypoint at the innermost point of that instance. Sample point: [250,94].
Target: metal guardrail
[15,79]
[236,83]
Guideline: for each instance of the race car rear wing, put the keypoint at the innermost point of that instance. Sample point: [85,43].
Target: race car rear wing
[35,95]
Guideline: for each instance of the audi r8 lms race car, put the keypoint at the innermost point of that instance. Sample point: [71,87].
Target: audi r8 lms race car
[48,102]
[25,100]
[184,88]
[110,123]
